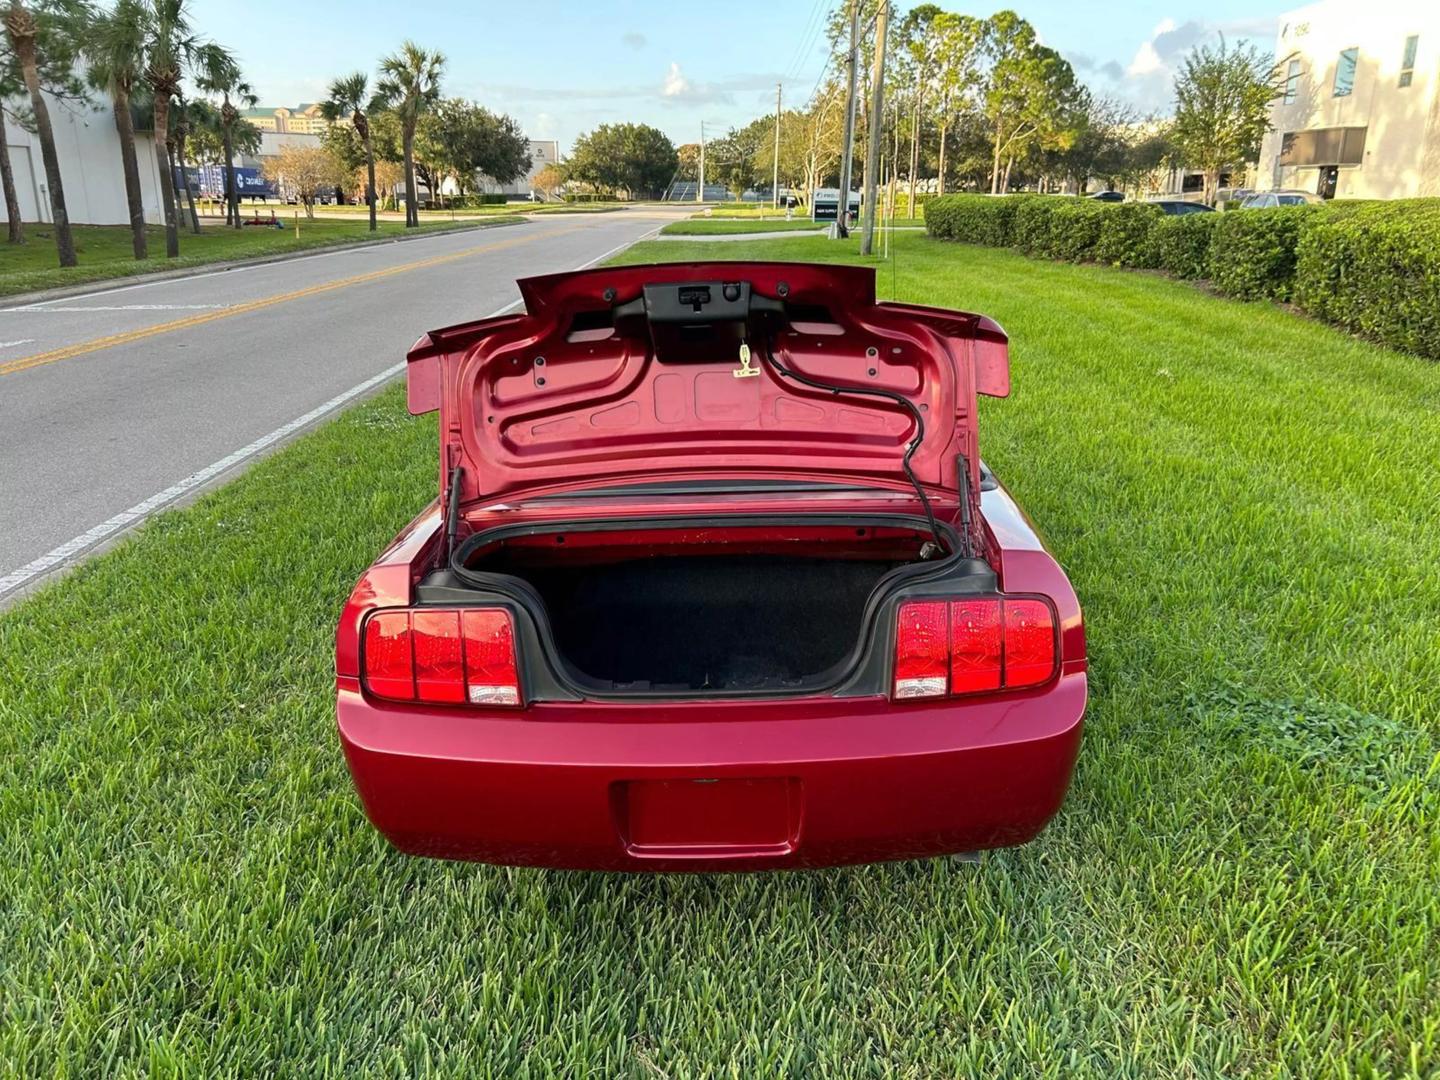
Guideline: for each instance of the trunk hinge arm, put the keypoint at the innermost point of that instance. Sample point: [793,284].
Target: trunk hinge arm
[967,506]
[452,512]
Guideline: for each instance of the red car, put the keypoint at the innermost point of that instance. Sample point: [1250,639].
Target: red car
[715,581]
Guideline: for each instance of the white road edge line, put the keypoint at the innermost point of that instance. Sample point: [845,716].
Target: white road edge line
[127,519]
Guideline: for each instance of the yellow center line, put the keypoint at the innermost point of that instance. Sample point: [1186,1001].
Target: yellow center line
[23,363]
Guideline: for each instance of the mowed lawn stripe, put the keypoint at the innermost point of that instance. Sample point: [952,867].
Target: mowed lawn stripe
[1244,879]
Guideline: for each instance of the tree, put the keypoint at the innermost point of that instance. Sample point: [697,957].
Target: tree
[548,180]
[1030,95]
[39,37]
[116,54]
[1101,141]
[1222,108]
[350,98]
[958,43]
[169,44]
[220,74]
[57,76]
[410,86]
[303,171]
[636,158]
[459,139]
[918,39]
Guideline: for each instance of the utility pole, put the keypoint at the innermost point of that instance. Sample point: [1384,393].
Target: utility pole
[852,62]
[700,190]
[877,127]
[775,184]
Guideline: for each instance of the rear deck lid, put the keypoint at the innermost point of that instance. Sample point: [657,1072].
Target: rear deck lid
[674,373]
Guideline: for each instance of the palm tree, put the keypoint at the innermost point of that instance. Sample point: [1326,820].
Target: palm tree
[10,86]
[116,51]
[218,73]
[170,43]
[410,84]
[350,95]
[24,31]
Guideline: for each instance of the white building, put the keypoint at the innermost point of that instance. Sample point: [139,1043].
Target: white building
[89,152]
[1359,116]
[543,152]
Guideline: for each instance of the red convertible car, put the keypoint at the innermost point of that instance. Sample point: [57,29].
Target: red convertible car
[715,581]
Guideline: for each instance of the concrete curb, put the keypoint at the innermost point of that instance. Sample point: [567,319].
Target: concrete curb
[61,292]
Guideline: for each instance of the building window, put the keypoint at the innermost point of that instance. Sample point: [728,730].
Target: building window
[1407,61]
[1292,82]
[1345,72]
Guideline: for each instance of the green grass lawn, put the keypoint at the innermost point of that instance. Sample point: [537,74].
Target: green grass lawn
[722,226]
[104,250]
[1244,881]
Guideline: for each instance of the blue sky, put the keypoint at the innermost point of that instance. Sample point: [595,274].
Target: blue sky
[561,66]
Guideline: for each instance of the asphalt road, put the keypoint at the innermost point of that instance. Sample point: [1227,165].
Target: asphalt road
[118,402]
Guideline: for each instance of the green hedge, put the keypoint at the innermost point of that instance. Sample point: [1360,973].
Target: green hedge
[1075,229]
[974,219]
[1376,271]
[1252,255]
[1031,233]
[1127,234]
[1181,243]
[1370,267]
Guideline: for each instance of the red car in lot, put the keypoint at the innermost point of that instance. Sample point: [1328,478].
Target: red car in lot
[715,581]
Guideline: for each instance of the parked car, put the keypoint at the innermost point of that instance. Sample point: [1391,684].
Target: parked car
[1229,195]
[1107,196]
[715,581]
[1181,206]
[1265,200]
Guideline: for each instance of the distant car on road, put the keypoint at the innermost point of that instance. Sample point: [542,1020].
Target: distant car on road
[1266,200]
[1181,206]
[1107,196]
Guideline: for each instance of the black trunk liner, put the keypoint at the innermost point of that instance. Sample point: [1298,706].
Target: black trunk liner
[706,622]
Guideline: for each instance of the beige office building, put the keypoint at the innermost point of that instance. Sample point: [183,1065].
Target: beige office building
[1359,117]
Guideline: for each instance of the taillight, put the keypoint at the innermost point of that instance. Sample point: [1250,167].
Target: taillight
[973,646]
[442,655]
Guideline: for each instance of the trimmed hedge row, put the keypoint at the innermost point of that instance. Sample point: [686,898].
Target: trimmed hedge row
[1372,268]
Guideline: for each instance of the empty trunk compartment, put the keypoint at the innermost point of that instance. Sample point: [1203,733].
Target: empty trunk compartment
[699,609]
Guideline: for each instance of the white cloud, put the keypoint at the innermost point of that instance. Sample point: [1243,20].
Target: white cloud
[675,85]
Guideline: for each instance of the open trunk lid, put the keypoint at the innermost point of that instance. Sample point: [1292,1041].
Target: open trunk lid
[634,375]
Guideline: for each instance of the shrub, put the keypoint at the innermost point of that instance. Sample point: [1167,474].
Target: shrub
[1375,270]
[1127,235]
[1181,243]
[1031,231]
[975,219]
[1252,255]
[1075,228]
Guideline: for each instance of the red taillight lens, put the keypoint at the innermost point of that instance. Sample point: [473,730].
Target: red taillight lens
[389,662]
[490,675]
[442,655]
[973,646]
[1029,642]
[922,649]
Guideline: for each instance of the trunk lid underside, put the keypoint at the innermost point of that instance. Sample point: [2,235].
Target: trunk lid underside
[636,375]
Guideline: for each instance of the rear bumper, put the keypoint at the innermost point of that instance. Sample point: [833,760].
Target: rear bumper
[715,786]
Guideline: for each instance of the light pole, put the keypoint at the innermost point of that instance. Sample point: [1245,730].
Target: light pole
[700,189]
[852,62]
[775,183]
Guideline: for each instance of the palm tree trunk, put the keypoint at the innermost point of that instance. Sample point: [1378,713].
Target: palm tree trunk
[21,25]
[232,196]
[370,178]
[15,232]
[167,178]
[130,166]
[412,212]
[185,182]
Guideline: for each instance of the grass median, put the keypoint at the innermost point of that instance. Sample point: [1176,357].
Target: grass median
[104,251]
[1245,879]
[722,227]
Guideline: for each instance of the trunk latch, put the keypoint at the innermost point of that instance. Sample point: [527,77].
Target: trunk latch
[745,370]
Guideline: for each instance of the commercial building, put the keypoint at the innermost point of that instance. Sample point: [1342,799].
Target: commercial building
[89,151]
[543,152]
[303,119]
[1359,114]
